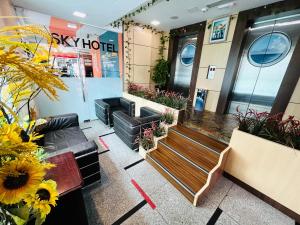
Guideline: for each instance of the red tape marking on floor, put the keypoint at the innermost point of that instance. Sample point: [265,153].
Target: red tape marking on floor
[103,144]
[144,195]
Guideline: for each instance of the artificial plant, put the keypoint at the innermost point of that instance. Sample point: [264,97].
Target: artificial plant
[25,71]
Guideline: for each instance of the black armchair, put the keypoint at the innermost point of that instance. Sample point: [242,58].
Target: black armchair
[130,128]
[105,108]
[63,134]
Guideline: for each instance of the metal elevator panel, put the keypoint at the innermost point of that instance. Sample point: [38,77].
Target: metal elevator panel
[184,64]
[267,52]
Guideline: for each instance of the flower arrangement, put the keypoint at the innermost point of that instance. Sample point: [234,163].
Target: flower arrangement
[167,98]
[272,127]
[158,130]
[147,140]
[167,117]
[25,194]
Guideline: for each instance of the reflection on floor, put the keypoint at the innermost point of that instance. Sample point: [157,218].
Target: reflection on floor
[116,199]
[211,124]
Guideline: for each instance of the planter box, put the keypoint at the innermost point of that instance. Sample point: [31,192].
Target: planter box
[144,152]
[156,139]
[269,167]
[141,102]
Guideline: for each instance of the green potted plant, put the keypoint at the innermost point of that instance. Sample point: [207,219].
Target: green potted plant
[146,142]
[159,132]
[161,69]
[167,117]
[160,73]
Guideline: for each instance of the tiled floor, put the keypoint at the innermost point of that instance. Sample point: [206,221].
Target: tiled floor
[116,196]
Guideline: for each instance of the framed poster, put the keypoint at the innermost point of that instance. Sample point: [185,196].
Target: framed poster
[219,30]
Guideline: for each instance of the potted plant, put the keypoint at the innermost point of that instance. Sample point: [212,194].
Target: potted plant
[159,132]
[160,73]
[265,155]
[161,69]
[146,142]
[167,119]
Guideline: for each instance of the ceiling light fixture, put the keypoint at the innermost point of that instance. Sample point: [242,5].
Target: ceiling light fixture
[79,14]
[155,22]
[72,25]
[204,9]
[226,5]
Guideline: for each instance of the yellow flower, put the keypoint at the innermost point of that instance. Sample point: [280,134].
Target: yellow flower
[14,140]
[19,178]
[45,197]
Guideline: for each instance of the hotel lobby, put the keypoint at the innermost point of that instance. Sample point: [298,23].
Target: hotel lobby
[149,112]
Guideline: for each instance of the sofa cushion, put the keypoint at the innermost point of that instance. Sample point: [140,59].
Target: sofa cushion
[64,138]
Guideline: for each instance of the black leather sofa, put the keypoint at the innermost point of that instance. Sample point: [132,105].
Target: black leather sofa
[130,128]
[63,134]
[105,108]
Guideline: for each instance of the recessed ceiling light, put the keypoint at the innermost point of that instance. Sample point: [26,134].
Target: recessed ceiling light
[72,25]
[155,22]
[79,14]
[174,17]
[111,40]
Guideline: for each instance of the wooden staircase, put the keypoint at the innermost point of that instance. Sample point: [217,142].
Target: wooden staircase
[191,161]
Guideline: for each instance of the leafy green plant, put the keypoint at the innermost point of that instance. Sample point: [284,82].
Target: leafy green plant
[147,140]
[167,98]
[272,127]
[160,72]
[158,131]
[161,69]
[167,117]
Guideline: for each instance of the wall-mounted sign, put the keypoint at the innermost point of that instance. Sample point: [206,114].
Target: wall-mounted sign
[77,42]
[219,30]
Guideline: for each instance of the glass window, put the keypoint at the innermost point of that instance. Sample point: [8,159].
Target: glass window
[269,49]
[187,54]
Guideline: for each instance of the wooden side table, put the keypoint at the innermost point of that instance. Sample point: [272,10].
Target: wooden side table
[70,207]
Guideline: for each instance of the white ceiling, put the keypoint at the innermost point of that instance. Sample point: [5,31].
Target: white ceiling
[99,12]
[166,9]
[103,12]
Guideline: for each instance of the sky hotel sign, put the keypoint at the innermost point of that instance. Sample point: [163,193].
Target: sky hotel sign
[77,42]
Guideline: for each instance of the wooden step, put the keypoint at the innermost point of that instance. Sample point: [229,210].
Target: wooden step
[191,151]
[211,143]
[183,172]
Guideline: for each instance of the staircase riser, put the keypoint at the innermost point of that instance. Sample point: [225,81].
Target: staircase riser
[185,193]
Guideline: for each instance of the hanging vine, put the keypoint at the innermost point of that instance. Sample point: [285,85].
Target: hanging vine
[128,43]
[128,16]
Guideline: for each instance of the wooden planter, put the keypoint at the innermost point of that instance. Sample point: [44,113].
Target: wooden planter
[271,168]
[141,102]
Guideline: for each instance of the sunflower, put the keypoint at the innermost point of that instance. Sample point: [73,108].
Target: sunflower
[18,178]
[13,140]
[45,197]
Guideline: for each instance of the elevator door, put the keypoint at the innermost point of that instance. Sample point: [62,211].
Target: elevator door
[184,64]
[268,49]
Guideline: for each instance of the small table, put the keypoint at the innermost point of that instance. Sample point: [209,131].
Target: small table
[70,207]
